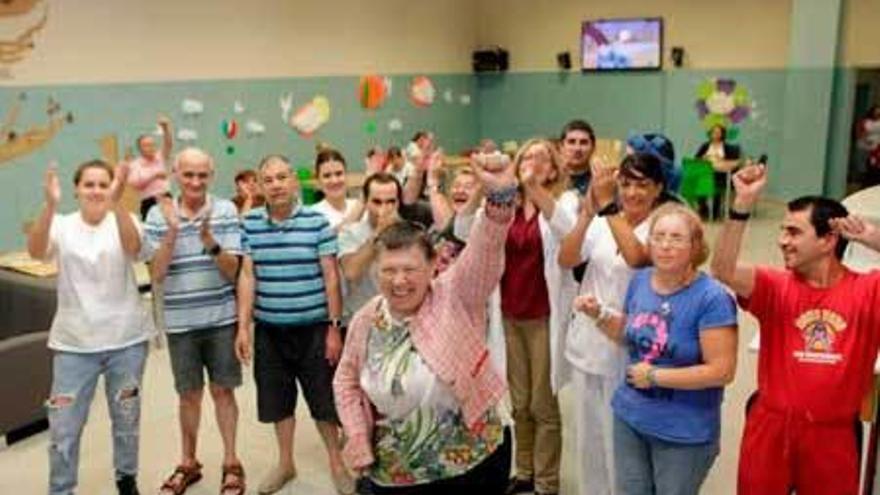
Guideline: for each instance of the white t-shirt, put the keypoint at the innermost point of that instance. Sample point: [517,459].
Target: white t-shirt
[334,216]
[351,238]
[99,306]
[606,277]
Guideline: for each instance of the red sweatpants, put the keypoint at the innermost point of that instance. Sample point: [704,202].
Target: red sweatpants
[781,452]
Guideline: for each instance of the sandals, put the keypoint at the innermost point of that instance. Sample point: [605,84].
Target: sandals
[234,485]
[182,478]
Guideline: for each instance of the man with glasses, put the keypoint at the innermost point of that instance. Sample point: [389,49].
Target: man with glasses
[357,251]
[289,278]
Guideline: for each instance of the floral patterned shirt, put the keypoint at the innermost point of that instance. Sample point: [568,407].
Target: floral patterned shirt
[420,435]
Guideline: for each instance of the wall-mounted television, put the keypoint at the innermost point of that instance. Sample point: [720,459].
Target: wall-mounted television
[622,44]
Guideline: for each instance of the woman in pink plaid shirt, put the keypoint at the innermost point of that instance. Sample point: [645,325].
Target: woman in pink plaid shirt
[415,389]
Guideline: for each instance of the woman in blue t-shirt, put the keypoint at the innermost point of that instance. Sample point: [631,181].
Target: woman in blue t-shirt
[679,326]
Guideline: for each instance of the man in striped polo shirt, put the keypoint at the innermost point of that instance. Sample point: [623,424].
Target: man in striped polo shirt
[194,242]
[290,279]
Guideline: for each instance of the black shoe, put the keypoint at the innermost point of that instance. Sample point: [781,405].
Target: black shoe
[518,485]
[127,485]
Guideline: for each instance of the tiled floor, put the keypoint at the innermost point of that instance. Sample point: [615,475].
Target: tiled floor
[24,466]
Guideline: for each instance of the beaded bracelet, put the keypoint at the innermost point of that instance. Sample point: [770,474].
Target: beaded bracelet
[503,196]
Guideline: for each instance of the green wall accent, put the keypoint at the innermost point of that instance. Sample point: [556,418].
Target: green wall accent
[840,132]
[129,110]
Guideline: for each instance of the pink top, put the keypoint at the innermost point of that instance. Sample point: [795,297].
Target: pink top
[144,176]
[449,332]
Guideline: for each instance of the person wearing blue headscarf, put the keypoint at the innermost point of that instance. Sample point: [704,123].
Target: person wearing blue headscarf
[661,147]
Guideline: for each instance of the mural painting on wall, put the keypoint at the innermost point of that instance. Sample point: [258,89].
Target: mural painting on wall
[373,91]
[422,91]
[309,117]
[723,102]
[19,46]
[15,143]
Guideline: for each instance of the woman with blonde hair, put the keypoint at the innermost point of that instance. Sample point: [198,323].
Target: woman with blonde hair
[536,295]
[679,327]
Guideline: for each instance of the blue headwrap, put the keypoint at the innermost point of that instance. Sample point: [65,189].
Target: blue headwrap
[660,147]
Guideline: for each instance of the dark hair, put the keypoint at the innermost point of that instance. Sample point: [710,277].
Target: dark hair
[578,125]
[723,131]
[640,166]
[80,170]
[402,235]
[244,175]
[383,178]
[328,155]
[420,134]
[271,158]
[141,138]
[394,152]
[821,211]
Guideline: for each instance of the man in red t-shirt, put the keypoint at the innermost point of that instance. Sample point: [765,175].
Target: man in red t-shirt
[820,332]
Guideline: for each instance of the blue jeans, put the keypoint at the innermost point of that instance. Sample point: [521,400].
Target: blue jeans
[646,465]
[74,379]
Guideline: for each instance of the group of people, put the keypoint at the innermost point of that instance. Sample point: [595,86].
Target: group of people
[432,321]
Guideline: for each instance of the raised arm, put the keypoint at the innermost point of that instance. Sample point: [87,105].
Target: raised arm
[604,186]
[38,235]
[726,266]
[441,210]
[167,137]
[129,234]
[572,243]
[856,229]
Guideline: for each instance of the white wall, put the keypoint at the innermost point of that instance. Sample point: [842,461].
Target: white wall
[715,33]
[137,40]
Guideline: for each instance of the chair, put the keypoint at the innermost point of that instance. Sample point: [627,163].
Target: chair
[698,182]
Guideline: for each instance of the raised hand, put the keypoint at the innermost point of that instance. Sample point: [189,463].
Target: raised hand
[603,183]
[748,183]
[587,304]
[166,206]
[495,171]
[52,186]
[855,228]
[120,177]
[435,166]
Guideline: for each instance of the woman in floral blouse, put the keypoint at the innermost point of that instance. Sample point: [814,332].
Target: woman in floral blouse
[417,394]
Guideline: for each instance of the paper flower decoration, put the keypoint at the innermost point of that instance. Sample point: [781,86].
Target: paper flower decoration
[465,100]
[448,96]
[238,107]
[422,91]
[395,125]
[372,91]
[722,102]
[187,135]
[254,128]
[311,116]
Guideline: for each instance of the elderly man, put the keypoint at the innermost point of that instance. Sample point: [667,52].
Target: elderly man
[194,243]
[289,279]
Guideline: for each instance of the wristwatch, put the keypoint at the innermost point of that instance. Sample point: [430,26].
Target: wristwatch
[214,251]
[334,322]
[611,208]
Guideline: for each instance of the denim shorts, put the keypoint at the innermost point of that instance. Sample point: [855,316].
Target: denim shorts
[211,349]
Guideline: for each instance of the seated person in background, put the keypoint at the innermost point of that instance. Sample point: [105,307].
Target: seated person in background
[416,389]
[147,173]
[717,150]
[247,192]
[330,171]
[396,164]
[375,161]
[357,246]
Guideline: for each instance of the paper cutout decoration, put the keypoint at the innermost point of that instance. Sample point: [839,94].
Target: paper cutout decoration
[370,127]
[187,135]
[14,144]
[229,128]
[192,107]
[254,128]
[230,150]
[13,50]
[373,91]
[723,102]
[447,96]
[309,117]
[465,100]
[395,125]
[238,107]
[422,91]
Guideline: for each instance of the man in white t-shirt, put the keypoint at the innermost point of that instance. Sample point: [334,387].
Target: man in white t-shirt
[357,252]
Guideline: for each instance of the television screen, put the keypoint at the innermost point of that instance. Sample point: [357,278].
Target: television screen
[622,44]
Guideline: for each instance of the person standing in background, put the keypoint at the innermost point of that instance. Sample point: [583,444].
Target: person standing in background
[147,173]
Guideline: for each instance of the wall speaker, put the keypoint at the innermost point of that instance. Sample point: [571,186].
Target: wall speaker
[677,56]
[563,60]
[494,59]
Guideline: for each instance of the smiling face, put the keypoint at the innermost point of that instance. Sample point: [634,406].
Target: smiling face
[194,172]
[331,179]
[404,278]
[538,158]
[462,190]
[93,192]
[637,195]
[800,245]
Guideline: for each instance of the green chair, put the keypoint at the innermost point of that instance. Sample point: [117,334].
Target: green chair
[307,188]
[698,182]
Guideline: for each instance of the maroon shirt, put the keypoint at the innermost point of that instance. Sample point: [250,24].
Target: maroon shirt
[523,287]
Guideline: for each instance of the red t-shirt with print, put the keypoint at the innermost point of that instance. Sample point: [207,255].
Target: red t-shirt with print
[818,346]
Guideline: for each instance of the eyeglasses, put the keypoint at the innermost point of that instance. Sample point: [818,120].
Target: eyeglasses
[674,240]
